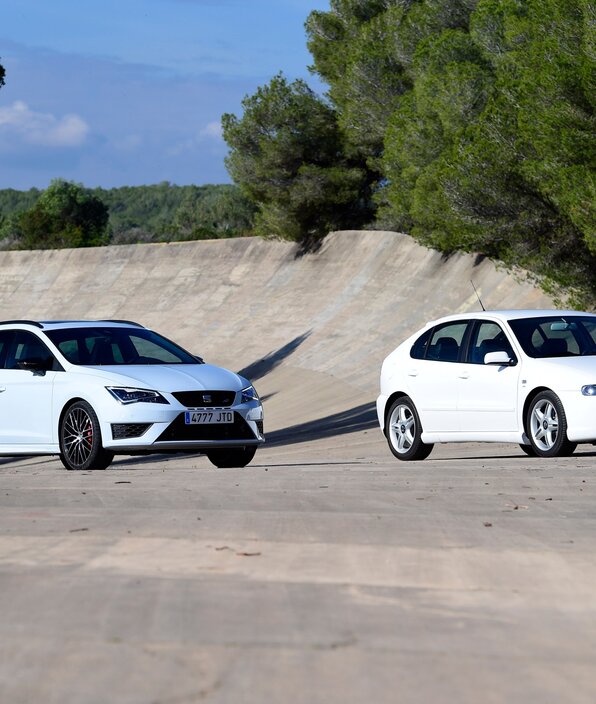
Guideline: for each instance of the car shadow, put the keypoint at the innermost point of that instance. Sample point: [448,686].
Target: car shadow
[17,458]
[125,461]
[265,365]
[513,456]
[363,417]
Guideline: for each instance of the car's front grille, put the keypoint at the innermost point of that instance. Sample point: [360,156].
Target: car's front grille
[205,399]
[179,430]
[124,431]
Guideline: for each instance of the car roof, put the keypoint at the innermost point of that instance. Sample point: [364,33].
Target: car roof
[54,324]
[505,315]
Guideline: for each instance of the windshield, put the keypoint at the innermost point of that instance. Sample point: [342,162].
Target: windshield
[556,336]
[95,346]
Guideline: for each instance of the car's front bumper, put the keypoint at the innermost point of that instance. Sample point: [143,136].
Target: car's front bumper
[165,430]
[580,412]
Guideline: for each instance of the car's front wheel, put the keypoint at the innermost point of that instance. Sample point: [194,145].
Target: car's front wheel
[404,431]
[231,456]
[546,426]
[80,439]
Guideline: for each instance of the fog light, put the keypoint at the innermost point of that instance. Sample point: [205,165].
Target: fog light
[589,390]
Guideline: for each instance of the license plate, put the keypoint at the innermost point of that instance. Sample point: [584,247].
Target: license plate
[208,417]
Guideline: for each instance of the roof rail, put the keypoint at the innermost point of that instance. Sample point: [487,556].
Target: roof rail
[21,322]
[125,322]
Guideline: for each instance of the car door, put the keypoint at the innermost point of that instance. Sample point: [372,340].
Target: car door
[433,378]
[25,395]
[488,393]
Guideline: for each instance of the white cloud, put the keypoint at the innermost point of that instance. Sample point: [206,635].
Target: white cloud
[43,129]
[212,131]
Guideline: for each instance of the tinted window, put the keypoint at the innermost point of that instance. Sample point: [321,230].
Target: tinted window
[27,347]
[445,342]
[488,337]
[117,346]
[419,347]
[556,336]
[5,337]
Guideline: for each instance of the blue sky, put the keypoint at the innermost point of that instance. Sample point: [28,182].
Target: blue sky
[129,92]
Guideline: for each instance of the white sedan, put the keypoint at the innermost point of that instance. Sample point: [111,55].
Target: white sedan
[90,390]
[522,376]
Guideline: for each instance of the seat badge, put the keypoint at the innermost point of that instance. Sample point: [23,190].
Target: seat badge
[207,398]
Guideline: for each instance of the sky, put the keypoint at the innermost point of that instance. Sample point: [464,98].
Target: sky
[130,92]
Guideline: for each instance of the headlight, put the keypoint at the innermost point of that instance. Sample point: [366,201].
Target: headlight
[249,394]
[126,395]
[589,390]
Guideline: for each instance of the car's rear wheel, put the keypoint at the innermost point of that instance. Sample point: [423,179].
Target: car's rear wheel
[546,426]
[231,456]
[404,431]
[80,439]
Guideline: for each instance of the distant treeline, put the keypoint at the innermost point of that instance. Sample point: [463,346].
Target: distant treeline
[468,124]
[68,215]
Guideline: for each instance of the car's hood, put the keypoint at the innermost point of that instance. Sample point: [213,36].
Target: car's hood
[170,377]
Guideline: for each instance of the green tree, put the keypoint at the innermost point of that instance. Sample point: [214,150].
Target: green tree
[66,215]
[365,50]
[212,212]
[477,118]
[2,75]
[286,154]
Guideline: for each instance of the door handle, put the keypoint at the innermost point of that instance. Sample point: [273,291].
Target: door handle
[2,388]
[413,372]
[464,375]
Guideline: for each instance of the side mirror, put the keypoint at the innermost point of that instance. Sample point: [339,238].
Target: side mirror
[35,364]
[200,360]
[500,358]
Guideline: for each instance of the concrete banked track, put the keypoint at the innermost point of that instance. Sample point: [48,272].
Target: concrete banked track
[311,330]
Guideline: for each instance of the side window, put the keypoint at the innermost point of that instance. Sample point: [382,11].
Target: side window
[446,340]
[419,347]
[488,337]
[26,346]
[5,337]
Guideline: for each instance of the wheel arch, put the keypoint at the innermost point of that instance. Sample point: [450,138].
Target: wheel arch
[66,405]
[395,395]
[529,398]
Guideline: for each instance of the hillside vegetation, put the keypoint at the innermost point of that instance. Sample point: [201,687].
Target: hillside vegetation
[69,215]
[467,123]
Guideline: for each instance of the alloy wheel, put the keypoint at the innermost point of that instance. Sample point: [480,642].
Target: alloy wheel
[402,428]
[544,424]
[77,436]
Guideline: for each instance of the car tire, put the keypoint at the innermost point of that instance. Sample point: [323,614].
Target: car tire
[546,426]
[231,456]
[80,439]
[404,431]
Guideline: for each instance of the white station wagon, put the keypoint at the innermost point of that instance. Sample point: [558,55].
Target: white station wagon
[520,376]
[88,390]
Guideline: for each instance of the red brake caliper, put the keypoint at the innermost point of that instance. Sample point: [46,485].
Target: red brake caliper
[89,434]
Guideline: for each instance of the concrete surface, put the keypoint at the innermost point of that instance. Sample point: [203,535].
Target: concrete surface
[326,571]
